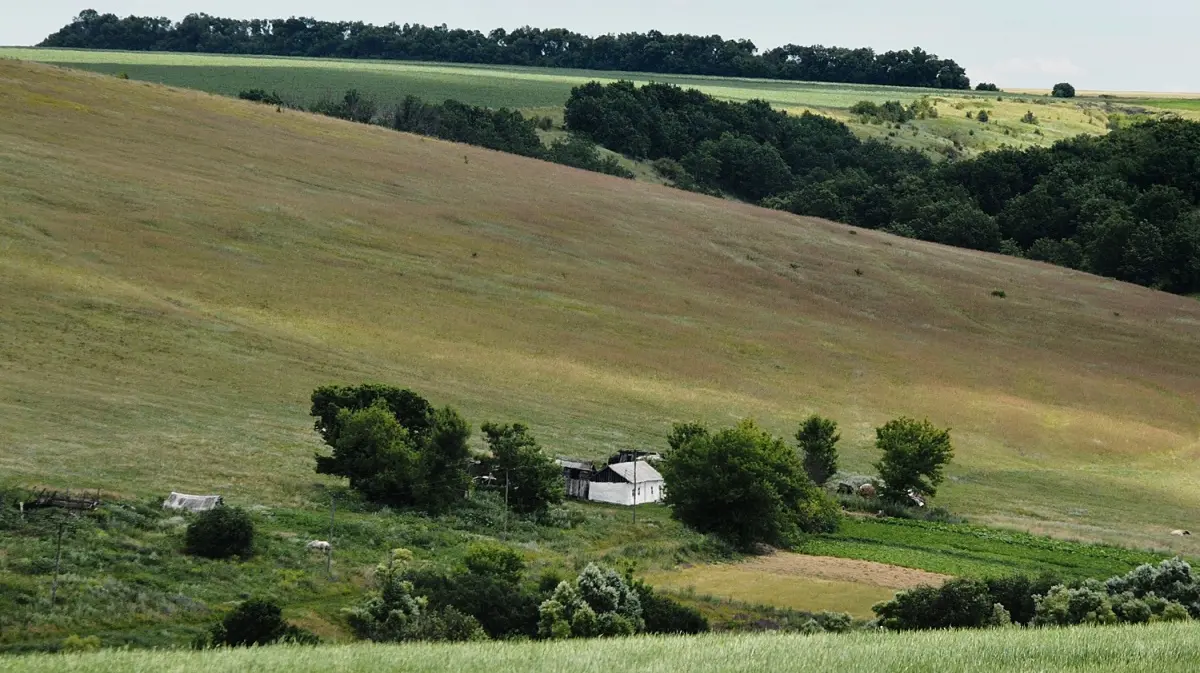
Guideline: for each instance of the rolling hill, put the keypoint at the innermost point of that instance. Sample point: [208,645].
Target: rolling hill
[179,270]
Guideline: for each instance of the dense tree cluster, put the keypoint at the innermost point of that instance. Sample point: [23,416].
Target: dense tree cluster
[394,612]
[490,587]
[558,48]
[491,596]
[1124,205]
[503,130]
[397,449]
[744,485]
[1168,591]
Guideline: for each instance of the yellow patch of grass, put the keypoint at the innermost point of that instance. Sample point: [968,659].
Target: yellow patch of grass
[747,585]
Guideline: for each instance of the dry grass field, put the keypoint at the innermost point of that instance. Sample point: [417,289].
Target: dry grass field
[811,583]
[179,270]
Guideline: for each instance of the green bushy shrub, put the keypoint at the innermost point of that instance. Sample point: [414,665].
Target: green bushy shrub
[1017,592]
[261,96]
[598,603]
[395,613]
[665,616]
[1066,606]
[1171,580]
[257,622]
[1130,609]
[489,587]
[74,643]
[221,533]
[959,603]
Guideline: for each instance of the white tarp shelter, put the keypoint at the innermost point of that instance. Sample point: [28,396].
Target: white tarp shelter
[192,503]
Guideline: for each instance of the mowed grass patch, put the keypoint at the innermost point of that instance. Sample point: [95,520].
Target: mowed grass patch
[180,271]
[748,585]
[1164,648]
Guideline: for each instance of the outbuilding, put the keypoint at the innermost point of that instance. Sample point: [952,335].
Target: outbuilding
[631,483]
[578,476]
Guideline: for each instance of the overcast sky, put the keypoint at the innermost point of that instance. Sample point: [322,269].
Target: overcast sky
[1116,45]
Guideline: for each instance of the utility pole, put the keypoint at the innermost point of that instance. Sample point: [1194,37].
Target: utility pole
[635,489]
[57,560]
[329,552]
[506,504]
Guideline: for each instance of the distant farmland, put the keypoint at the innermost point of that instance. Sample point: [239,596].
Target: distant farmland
[543,91]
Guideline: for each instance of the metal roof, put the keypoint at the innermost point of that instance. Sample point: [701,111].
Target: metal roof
[645,472]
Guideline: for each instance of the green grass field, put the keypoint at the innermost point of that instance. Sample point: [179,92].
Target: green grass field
[973,551]
[543,91]
[1171,648]
[1177,104]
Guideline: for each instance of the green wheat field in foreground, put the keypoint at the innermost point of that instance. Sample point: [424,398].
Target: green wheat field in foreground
[1163,648]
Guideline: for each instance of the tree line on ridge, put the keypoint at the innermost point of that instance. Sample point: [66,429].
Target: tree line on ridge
[550,48]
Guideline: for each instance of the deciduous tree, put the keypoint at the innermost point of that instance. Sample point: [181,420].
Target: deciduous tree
[745,486]
[915,454]
[817,440]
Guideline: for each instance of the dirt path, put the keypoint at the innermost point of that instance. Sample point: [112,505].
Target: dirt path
[845,570]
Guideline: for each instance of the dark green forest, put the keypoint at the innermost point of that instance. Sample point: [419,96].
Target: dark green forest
[1124,205]
[553,48]
[502,130]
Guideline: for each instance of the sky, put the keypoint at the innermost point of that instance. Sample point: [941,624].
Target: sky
[1111,45]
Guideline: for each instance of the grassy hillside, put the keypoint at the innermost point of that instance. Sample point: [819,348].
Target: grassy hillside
[126,579]
[180,270]
[543,91]
[1168,648]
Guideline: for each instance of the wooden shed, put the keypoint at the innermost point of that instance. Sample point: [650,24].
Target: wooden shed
[578,476]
